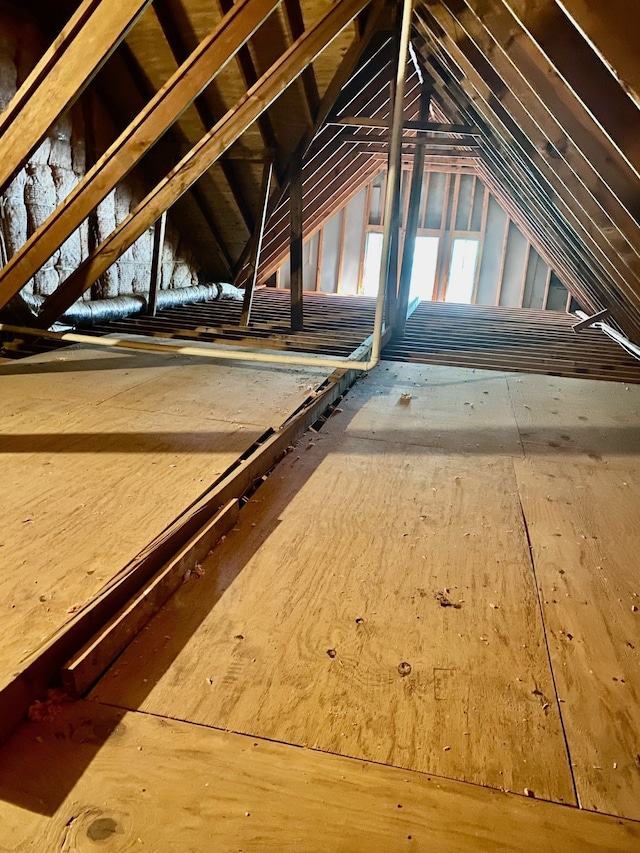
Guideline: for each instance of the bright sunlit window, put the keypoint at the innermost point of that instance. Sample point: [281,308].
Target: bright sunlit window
[372,259]
[423,273]
[462,271]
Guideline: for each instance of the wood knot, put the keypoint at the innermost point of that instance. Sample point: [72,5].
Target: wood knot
[102,829]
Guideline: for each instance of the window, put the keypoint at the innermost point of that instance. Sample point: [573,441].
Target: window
[425,262]
[372,260]
[462,271]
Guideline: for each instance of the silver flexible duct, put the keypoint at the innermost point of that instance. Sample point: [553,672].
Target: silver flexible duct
[102,310]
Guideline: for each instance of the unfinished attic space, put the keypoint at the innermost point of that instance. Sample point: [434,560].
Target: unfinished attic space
[320,426]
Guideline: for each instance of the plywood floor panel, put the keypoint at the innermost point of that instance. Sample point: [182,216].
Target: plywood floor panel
[442,408]
[87,483]
[243,394]
[590,421]
[96,777]
[373,605]
[79,374]
[583,523]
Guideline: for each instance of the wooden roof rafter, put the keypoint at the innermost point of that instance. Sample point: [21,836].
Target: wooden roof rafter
[183,41]
[272,83]
[538,161]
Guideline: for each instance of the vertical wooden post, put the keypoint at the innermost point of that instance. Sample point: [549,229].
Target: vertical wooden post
[295,248]
[411,231]
[156,263]
[249,288]
[392,201]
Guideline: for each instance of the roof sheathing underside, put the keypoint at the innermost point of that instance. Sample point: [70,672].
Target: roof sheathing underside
[551,87]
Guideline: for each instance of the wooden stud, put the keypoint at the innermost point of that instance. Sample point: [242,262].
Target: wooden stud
[250,284]
[296,214]
[156,263]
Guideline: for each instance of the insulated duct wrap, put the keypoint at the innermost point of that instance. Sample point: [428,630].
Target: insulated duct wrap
[84,313]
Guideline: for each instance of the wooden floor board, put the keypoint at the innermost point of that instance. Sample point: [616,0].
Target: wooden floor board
[373,604]
[583,523]
[96,777]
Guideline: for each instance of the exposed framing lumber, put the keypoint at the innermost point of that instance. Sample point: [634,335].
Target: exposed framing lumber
[296,219]
[159,114]
[519,154]
[587,171]
[250,76]
[76,55]
[296,25]
[381,123]
[159,230]
[605,261]
[204,154]
[182,42]
[250,283]
[388,281]
[154,163]
[434,143]
[594,95]
[607,28]
[376,15]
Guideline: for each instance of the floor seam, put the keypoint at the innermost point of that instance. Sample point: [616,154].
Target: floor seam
[546,639]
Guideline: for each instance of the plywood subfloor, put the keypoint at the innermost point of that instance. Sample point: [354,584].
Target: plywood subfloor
[378,597]
[96,777]
[89,476]
[64,787]
[583,524]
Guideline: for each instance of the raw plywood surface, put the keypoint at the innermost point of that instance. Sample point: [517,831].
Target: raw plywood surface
[590,421]
[441,408]
[64,787]
[371,604]
[583,523]
[87,482]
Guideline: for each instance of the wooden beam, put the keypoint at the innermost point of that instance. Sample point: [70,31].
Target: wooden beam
[250,76]
[432,142]
[341,80]
[76,55]
[156,263]
[309,84]
[610,29]
[296,218]
[419,126]
[159,114]
[182,41]
[204,154]
[267,174]
[539,166]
